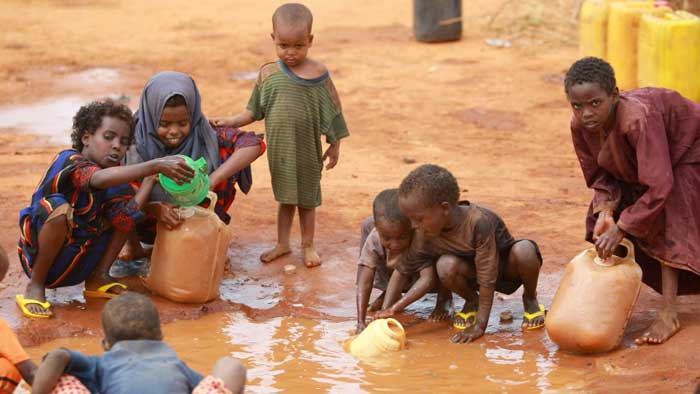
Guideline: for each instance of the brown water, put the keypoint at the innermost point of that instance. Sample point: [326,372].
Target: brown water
[294,354]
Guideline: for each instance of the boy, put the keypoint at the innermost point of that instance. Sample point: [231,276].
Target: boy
[386,238]
[477,254]
[299,103]
[14,361]
[135,360]
[84,207]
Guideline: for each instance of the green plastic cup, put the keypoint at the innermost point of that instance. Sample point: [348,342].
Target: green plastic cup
[190,193]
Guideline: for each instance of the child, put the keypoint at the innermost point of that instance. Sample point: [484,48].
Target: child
[136,360]
[477,254]
[640,153]
[386,237]
[299,103]
[15,363]
[84,207]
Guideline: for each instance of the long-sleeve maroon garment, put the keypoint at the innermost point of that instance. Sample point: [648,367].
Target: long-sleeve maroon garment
[647,170]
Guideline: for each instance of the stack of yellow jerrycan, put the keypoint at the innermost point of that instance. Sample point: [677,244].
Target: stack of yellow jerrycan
[593,27]
[669,53]
[623,29]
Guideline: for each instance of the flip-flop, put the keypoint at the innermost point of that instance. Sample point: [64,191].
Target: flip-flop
[531,316]
[465,316]
[23,302]
[103,291]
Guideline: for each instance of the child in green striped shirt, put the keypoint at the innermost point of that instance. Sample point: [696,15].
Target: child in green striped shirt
[299,103]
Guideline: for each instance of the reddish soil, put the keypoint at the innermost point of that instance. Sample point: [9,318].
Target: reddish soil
[496,117]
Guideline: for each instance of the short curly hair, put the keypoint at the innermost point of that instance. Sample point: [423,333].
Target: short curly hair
[386,207]
[593,70]
[434,184]
[89,118]
[130,316]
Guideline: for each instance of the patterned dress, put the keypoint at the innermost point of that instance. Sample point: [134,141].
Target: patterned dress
[95,215]
[297,112]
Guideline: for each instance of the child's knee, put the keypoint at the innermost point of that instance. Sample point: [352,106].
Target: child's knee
[526,255]
[448,266]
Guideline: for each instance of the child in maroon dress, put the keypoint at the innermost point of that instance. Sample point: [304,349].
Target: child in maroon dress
[640,153]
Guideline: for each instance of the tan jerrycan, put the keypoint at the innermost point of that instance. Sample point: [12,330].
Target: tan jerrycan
[594,301]
[188,262]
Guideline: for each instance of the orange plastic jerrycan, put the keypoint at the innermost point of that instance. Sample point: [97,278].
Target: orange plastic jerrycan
[380,336]
[594,301]
[187,264]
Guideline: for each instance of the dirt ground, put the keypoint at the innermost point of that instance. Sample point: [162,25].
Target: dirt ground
[496,117]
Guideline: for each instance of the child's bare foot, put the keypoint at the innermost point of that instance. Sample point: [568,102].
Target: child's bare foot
[532,308]
[440,313]
[311,258]
[275,253]
[36,292]
[663,328]
[377,304]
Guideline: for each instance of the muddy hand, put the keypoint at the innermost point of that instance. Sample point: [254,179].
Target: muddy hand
[167,214]
[604,222]
[175,168]
[360,327]
[469,335]
[606,244]
[384,313]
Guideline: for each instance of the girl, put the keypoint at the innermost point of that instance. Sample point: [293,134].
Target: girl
[170,121]
[84,207]
[640,152]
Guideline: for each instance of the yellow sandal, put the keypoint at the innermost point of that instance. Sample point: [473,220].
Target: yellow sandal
[529,317]
[103,291]
[23,302]
[465,316]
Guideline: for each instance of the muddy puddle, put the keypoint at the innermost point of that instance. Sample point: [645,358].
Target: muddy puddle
[51,118]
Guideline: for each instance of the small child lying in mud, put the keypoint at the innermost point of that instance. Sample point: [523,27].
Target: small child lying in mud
[84,207]
[15,363]
[476,255]
[136,360]
[386,238]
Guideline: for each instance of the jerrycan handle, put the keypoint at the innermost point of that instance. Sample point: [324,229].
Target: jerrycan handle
[614,260]
[212,200]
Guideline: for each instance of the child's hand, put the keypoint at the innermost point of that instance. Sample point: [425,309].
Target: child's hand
[333,154]
[606,244]
[385,313]
[221,122]
[175,168]
[604,222]
[360,327]
[468,335]
[165,213]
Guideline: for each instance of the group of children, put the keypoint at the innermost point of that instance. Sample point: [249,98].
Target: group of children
[639,151]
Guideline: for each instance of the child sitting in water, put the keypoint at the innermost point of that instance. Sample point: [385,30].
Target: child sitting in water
[476,253]
[84,207]
[386,237]
[299,103]
[15,363]
[136,360]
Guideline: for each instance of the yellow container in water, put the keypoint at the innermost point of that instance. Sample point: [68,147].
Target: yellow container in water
[593,27]
[623,29]
[669,53]
[380,336]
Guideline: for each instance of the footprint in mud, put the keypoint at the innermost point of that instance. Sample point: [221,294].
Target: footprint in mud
[254,294]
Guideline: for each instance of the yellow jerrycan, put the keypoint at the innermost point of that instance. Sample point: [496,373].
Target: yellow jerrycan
[669,53]
[623,30]
[593,27]
[380,336]
[594,302]
[187,263]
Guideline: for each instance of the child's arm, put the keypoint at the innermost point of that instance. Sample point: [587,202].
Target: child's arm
[51,369]
[365,280]
[427,280]
[172,166]
[243,119]
[27,369]
[240,159]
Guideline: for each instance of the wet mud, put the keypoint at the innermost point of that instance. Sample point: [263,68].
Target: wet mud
[406,104]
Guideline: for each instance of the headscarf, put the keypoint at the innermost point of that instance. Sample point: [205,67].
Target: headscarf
[201,142]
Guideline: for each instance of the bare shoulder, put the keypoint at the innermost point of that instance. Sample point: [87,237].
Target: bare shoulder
[316,69]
